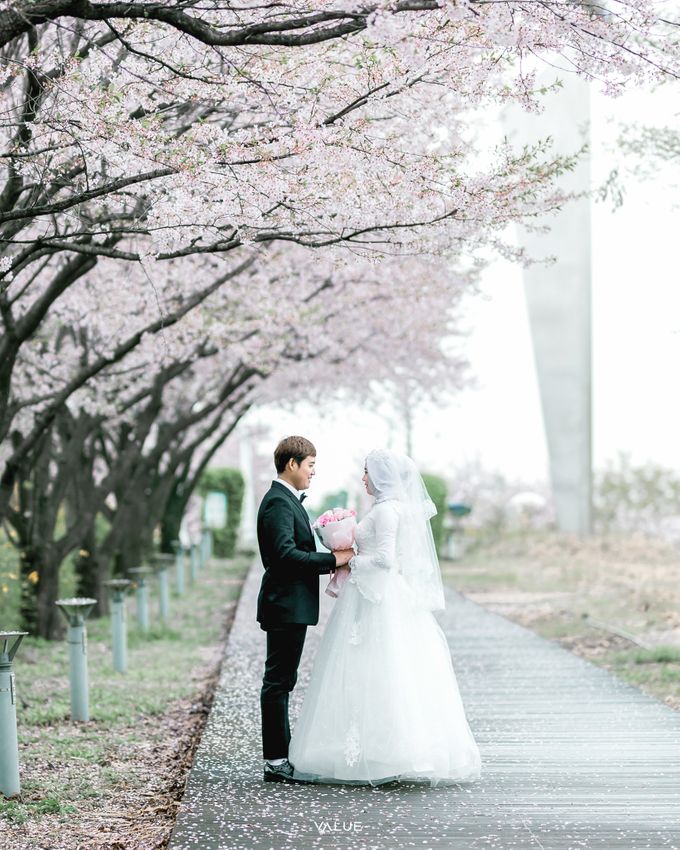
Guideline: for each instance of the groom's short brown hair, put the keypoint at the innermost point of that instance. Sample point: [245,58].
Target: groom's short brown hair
[297,448]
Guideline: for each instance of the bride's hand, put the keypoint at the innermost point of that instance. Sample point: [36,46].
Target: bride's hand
[342,557]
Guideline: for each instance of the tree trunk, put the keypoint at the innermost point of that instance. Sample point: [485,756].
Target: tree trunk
[92,571]
[129,540]
[29,576]
[172,515]
[39,592]
[134,549]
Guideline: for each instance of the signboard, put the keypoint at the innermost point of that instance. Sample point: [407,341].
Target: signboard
[215,509]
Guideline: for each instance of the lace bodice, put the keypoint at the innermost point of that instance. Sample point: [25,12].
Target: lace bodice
[376,537]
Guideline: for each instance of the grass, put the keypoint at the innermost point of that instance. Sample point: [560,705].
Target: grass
[658,655]
[70,769]
[589,594]
[19,813]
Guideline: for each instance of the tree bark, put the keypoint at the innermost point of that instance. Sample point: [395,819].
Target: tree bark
[91,572]
[39,592]
[298,30]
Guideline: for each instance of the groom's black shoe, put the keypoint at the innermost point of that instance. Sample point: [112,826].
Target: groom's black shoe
[279,772]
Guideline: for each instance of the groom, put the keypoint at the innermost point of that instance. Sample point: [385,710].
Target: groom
[288,601]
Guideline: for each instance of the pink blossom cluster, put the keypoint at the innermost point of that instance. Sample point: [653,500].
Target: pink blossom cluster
[334,515]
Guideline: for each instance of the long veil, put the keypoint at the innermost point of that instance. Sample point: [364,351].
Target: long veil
[395,476]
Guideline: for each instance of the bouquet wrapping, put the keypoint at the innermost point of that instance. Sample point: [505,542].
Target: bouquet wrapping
[336,529]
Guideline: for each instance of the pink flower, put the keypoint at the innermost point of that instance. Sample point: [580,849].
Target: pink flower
[334,515]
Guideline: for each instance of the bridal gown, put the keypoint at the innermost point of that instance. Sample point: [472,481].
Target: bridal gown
[383,701]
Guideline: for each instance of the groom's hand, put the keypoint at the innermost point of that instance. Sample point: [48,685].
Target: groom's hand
[342,557]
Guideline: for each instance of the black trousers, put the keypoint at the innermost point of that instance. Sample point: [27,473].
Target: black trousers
[284,649]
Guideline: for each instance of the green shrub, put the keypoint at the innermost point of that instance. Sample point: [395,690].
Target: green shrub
[231,483]
[339,499]
[437,489]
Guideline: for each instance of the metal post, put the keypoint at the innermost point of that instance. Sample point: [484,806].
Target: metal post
[205,546]
[179,566]
[194,562]
[77,642]
[119,586]
[9,746]
[162,562]
[76,611]
[164,590]
[142,596]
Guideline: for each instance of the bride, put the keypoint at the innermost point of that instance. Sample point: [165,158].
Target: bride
[383,702]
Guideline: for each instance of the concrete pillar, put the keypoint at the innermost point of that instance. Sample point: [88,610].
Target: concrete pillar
[559,305]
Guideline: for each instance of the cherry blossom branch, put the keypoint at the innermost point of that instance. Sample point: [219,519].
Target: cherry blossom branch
[83,197]
[319,26]
[46,416]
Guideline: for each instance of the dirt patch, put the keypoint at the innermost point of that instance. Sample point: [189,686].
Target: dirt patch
[524,607]
[594,646]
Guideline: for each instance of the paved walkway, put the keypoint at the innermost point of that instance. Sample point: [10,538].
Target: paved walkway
[572,757]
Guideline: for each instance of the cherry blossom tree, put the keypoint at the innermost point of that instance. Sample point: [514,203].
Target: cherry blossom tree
[205,206]
[643,152]
[112,153]
[142,134]
[124,447]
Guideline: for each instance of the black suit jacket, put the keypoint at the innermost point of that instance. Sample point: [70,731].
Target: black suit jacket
[290,585]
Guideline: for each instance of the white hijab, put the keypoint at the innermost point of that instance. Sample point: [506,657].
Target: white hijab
[395,476]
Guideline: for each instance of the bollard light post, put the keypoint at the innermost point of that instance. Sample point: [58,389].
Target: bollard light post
[139,575]
[205,546]
[9,746]
[179,566]
[76,611]
[119,588]
[193,552]
[161,564]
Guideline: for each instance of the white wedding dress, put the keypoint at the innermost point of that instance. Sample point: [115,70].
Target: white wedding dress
[383,701]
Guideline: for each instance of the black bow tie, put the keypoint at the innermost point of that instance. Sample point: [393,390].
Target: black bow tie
[303,496]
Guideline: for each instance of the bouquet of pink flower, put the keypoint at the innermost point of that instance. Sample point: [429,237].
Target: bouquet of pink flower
[335,529]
